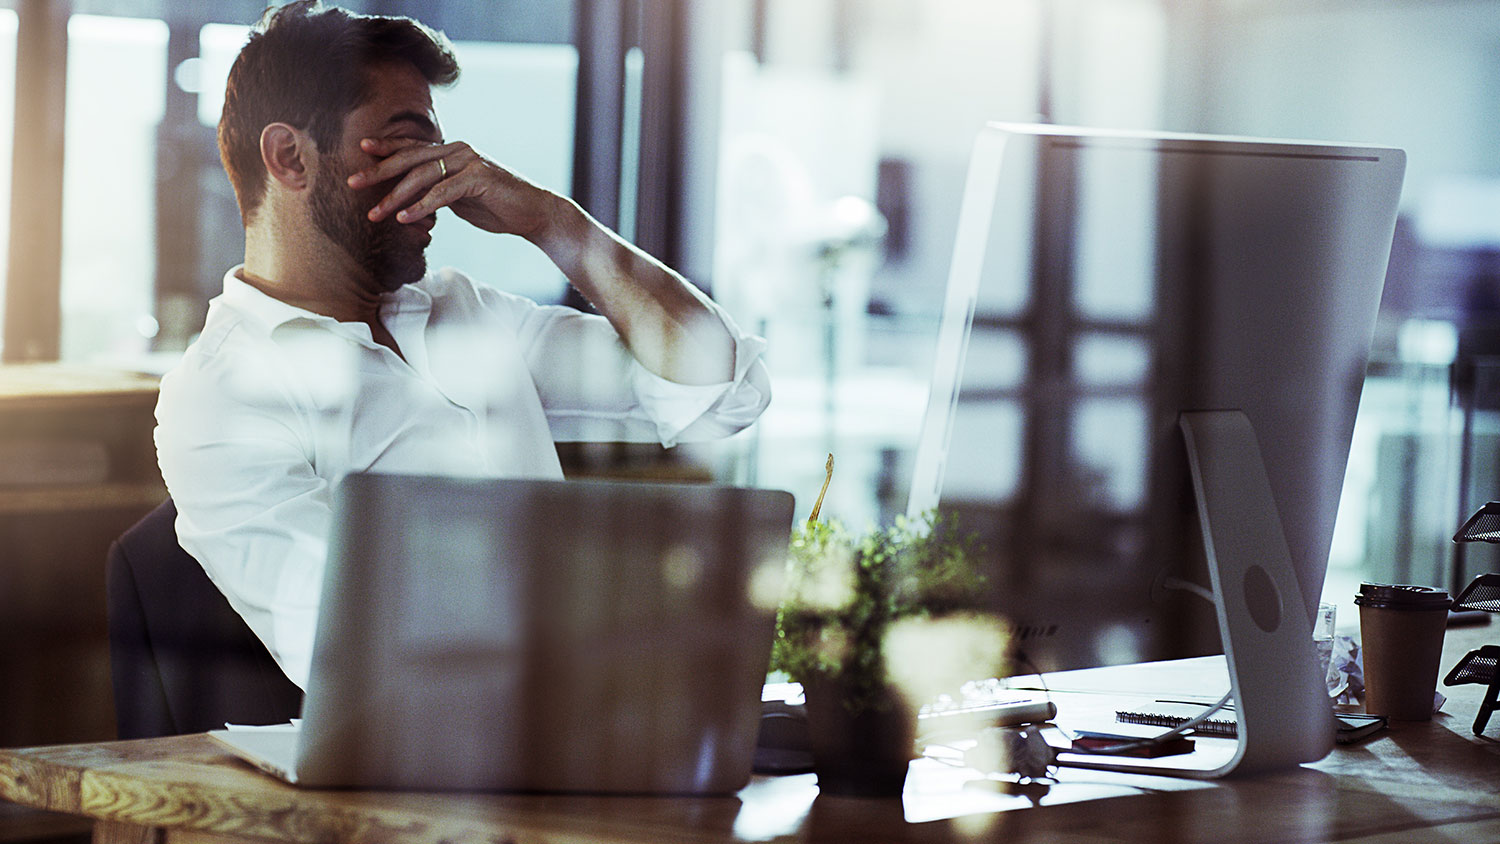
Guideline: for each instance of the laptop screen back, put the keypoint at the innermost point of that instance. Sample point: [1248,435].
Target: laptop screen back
[583,636]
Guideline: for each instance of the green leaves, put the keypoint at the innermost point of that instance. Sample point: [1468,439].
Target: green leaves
[844,592]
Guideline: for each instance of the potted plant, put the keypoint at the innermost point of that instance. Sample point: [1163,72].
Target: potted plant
[872,626]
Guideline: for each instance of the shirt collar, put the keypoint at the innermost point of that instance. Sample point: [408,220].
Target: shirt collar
[268,310]
[274,313]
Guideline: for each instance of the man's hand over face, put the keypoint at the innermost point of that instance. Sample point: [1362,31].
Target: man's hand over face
[478,190]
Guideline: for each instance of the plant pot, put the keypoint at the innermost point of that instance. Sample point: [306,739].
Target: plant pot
[864,753]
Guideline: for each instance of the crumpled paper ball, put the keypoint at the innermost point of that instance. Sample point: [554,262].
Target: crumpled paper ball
[1346,674]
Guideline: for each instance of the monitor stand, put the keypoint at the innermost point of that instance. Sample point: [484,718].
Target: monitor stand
[1281,702]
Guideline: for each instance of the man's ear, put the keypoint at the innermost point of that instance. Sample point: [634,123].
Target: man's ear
[286,151]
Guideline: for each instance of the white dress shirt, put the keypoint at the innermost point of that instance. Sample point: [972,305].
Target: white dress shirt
[273,405]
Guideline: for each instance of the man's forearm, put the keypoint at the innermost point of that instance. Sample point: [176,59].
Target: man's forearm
[664,321]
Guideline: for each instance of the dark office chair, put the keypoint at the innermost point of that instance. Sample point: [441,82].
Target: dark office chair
[182,660]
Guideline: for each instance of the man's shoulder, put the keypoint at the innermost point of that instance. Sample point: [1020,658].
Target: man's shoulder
[225,325]
[453,290]
[234,352]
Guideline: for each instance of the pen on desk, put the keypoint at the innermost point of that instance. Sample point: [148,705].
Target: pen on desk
[818,505]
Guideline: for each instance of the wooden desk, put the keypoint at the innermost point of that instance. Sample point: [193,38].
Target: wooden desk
[1417,782]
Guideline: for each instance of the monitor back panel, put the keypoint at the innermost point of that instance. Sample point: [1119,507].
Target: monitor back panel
[1102,284]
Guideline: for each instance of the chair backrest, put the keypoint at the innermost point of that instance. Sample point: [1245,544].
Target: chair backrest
[182,660]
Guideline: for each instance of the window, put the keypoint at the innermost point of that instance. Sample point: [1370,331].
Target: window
[7,134]
[115,102]
[148,218]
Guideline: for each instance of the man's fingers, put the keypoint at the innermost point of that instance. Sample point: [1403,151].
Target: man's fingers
[419,182]
[419,177]
[439,195]
[415,170]
[398,156]
[383,147]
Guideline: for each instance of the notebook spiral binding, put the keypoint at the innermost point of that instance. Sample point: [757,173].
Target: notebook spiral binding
[1212,727]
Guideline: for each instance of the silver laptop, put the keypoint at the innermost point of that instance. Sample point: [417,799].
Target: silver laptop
[552,636]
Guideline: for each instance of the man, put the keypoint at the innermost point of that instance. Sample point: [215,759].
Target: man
[334,350]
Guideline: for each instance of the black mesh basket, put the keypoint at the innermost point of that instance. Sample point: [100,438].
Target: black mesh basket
[1479,666]
[1483,593]
[1483,526]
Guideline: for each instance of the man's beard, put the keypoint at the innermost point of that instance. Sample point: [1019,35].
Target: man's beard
[387,250]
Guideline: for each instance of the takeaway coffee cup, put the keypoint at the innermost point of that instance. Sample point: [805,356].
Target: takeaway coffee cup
[1401,628]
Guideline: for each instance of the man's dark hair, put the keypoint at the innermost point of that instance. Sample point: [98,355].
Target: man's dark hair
[306,65]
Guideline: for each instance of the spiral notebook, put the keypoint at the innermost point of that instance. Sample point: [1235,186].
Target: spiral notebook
[1352,726]
[1220,727]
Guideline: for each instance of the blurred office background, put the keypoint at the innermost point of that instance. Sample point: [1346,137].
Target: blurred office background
[803,160]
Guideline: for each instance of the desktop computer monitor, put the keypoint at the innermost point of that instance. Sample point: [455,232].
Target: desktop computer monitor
[1104,283]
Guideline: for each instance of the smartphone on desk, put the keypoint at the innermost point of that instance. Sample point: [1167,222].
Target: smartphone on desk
[1354,726]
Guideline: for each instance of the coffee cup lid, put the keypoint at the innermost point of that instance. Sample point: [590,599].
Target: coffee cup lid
[1401,597]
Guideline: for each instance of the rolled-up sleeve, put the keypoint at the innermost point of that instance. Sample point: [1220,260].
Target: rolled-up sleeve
[592,389]
[686,413]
